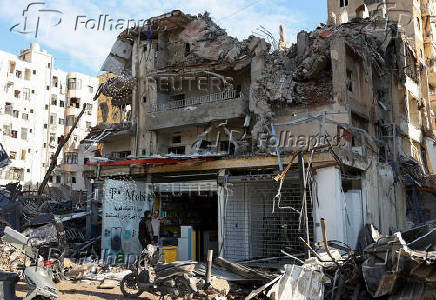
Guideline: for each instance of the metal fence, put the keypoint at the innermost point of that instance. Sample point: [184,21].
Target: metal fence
[176,104]
[252,231]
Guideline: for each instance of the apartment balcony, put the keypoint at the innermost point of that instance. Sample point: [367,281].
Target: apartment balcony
[197,110]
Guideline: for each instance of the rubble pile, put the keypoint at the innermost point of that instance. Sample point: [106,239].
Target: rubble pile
[302,73]
[401,266]
[11,259]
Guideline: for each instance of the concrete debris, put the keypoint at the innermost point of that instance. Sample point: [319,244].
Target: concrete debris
[394,266]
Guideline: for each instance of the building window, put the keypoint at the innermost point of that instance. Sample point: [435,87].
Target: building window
[7,129]
[343,3]
[52,119]
[18,74]
[33,91]
[31,111]
[17,93]
[121,154]
[88,108]
[75,102]
[54,81]
[46,107]
[61,103]
[45,126]
[15,113]
[91,89]
[12,65]
[26,94]
[54,99]
[52,138]
[27,74]
[61,122]
[44,145]
[71,158]
[24,134]
[34,72]
[14,134]
[15,174]
[70,120]
[49,65]
[8,108]
[28,170]
[349,82]
[25,116]
[74,84]
[177,139]
[88,125]
[58,179]
[23,154]
[73,179]
[13,155]
[176,150]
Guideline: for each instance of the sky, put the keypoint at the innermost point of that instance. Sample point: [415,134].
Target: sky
[62,32]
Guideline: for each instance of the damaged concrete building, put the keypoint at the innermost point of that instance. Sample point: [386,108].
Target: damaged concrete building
[209,122]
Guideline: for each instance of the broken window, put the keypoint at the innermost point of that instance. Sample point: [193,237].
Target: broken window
[176,150]
[74,84]
[349,81]
[226,146]
[26,94]
[343,3]
[27,74]
[187,49]
[75,102]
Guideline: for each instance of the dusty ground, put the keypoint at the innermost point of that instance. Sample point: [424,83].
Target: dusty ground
[69,290]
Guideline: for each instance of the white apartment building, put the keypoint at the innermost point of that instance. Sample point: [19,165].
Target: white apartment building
[38,105]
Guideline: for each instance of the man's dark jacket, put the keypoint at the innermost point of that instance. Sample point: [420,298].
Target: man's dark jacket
[145,232]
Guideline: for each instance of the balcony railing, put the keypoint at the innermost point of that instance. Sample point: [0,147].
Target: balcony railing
[217,97]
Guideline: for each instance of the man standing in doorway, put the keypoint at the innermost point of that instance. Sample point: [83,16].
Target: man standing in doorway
[155,223]
[145,234]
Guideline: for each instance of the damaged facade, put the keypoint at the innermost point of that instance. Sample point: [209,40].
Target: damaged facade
[201,111]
